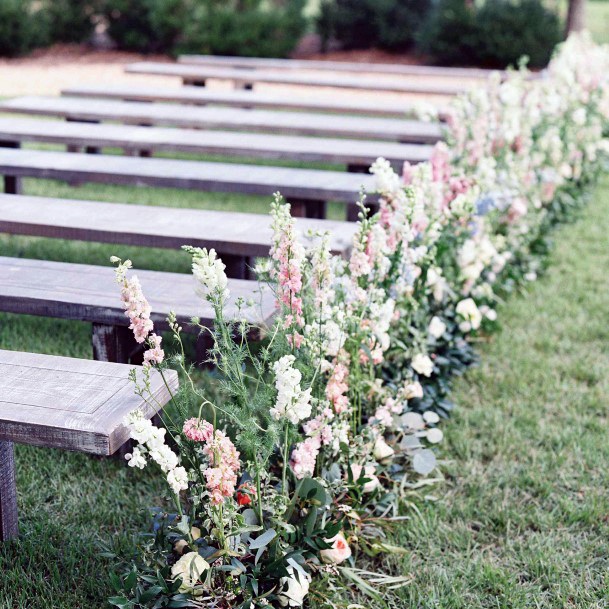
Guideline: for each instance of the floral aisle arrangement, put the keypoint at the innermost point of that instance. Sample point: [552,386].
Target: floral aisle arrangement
[285,479]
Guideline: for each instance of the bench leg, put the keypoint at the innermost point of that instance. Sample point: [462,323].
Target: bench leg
[306,208]
[8,493]
[12,185]
[114,344]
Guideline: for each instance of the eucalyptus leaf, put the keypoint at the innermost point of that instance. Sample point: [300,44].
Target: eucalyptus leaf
[424,461]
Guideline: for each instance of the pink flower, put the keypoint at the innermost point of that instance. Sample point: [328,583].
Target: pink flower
[198,430]
[339,552]
[304,457]
[155,355]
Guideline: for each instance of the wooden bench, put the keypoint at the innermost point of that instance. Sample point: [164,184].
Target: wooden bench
[262,63]
[199,75]
[201,96]
[238,119]
[67,403]
[307,189]
[147,140]
[237,237]
[90,293]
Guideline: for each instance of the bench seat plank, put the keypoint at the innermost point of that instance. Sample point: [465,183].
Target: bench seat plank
[258,63]
[238,119]
[309,184]
[74,404]
[233,233]
[245,99]
[194,73]
[89,293]
[227,143]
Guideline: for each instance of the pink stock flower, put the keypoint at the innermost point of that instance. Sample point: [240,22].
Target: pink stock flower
[304,457]
[337,387]
[198,430]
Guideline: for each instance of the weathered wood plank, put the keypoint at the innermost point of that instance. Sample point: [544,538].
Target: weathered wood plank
[93,137]
[89,293]
[74,404]
[187,116]
[247,99]
[313,185]
[258,63]
[229,233]
[197,73]
[8,492]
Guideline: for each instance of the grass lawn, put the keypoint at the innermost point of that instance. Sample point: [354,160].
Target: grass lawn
[523,518]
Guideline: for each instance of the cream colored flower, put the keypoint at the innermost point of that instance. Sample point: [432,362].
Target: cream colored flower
[382,450]
[339,552]
[189,569]
[422,364]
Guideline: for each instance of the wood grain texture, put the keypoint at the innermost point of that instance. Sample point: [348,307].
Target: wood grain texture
[90,293]
[246,99]
[232,233]
[341,81]
[261,63]
[8,492]
[310,184]
[75,404]
[238,119]
[229,143]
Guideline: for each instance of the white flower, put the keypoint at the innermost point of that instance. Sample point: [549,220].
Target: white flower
[136,458]
[177,479]
[292,403]
[373,481]
[434,435]
[189,569]
[422,364]
[295,586]
[209,273]
[470,313]
[412,390]
[382,450]
[436,327]
[339,552]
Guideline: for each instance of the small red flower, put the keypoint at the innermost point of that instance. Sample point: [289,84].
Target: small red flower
[245,493]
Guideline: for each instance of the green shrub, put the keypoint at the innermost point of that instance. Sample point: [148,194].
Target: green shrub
[21,27]
[69,20]
[237,27]
[244,28]
[363,24]
[509,31]
[496,34]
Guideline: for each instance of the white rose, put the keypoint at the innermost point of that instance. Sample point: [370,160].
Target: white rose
[382,450]
[422,364]
[373,481]
[295,587]
[339,552]
[189,569]
[413,390]
[436,327]
[470,313]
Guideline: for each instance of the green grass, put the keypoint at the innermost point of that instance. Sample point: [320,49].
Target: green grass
[522,520]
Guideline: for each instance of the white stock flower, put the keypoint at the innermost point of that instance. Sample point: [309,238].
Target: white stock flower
[292,403]
[177,479]
[422,364]
[136,458]
[436,327]
[189,569]
[209,273]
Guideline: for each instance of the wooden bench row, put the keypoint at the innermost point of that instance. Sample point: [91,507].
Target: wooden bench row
[67,403]
[237,237]
[238,119]
[201,96]
[199,74]
[147,140]
[307,189]
[82,292]
[262,63]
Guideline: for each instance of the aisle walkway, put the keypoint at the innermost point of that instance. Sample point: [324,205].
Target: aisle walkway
[525,520]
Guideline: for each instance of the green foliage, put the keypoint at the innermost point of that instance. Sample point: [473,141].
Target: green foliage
[206,26]
[69,20]
[362,24]
[496,34]
[22,28]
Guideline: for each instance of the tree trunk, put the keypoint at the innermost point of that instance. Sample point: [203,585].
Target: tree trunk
[576,17]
